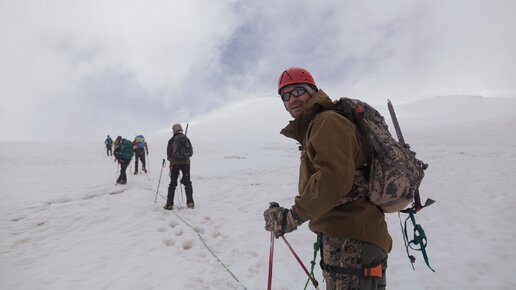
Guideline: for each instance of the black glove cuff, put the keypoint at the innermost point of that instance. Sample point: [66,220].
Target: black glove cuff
[296,216]
[284,220]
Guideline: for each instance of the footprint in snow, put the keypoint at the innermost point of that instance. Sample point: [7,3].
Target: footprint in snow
[199,230]
[179,232]
[215,234]
[16,219]
[173,224]
[169,242]
[187,245]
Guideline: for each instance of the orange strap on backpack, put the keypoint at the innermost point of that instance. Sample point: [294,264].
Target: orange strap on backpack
[375,271]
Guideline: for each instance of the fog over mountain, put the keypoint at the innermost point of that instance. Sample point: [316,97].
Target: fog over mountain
[78,70]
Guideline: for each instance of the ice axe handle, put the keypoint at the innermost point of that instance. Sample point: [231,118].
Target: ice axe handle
[396,124]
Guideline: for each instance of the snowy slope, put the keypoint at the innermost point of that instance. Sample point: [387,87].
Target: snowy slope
[64,224]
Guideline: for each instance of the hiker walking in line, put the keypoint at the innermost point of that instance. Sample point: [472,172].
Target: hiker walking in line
[123,154]
[109,145]
[351,231]
[116,144]
[179,151]
[140,148]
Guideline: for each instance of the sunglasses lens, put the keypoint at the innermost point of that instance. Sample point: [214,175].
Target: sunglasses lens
[296,92]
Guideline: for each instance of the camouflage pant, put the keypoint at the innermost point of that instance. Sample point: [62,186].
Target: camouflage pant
[351,254]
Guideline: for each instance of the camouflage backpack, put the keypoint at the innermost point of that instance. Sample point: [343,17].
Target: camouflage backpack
[393,174]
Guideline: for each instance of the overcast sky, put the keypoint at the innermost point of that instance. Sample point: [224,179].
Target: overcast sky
[78,70]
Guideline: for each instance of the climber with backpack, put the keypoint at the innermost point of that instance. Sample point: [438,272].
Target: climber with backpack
[123,154]
[140,148]
[109,145]
[351,231]
[179,151]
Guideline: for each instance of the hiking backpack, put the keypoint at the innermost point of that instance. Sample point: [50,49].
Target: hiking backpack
[140,142]
[126,150]
[393,174]
[181,147]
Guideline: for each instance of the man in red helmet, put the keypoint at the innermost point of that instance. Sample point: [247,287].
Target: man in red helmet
[352,235]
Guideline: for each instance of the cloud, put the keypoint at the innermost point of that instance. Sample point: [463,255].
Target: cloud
[64,56]
[404,49]
[80,69]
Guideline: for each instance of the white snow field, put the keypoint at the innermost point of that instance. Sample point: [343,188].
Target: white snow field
[65,225]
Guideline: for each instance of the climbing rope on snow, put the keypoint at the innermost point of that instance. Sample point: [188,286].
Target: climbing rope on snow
[207,247]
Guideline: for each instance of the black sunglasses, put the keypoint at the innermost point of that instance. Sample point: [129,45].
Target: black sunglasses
[296,92]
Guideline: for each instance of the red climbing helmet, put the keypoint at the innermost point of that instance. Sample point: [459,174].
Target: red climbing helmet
[295,75]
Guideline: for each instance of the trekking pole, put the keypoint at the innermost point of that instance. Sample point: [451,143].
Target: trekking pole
[181,188]
[147,168]
[314,282]
[116,173]
[159,181]
[148,164]
[271,251]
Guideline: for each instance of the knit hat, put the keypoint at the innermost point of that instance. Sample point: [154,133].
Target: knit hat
[176,128]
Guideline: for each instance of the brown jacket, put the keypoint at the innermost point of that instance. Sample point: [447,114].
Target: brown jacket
[330,157]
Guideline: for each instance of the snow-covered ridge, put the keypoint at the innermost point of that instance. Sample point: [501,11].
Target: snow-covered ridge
[431,119]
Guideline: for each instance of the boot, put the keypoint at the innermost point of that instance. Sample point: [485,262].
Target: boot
[135,172]
[144,170]
[190,205]
[168,206]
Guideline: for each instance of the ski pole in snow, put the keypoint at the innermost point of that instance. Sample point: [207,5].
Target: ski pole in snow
[148,164]
[117,169]
[271,252]
[159,181]
[181,188]
[314,282]
[181,179]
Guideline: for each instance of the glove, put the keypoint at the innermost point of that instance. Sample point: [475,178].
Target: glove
[280,220]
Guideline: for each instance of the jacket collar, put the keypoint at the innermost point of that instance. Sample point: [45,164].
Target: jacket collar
[296,129]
